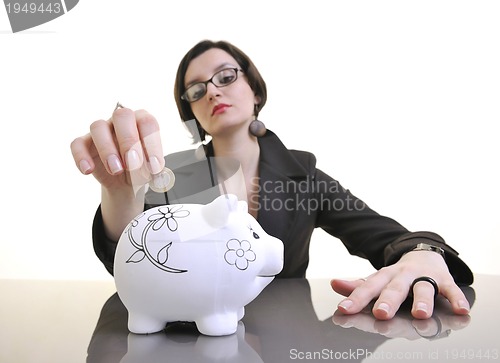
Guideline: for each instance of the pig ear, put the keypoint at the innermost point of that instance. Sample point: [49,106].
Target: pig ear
[216,214]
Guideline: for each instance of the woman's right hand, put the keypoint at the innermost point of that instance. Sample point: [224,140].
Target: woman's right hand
[121,152]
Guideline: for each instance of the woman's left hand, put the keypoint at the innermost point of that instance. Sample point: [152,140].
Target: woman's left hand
[390,287]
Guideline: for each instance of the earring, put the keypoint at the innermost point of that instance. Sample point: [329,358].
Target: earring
[257,128]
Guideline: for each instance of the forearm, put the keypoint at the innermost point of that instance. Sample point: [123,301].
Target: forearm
[118,208]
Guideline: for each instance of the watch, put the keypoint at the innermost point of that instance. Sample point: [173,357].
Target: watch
[428,247]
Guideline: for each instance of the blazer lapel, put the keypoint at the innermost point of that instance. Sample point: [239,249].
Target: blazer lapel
[278,194]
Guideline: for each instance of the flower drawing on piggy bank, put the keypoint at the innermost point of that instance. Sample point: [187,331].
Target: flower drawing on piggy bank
[167,215]
[239,253]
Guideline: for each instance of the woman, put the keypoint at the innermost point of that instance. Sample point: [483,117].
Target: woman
[219,87]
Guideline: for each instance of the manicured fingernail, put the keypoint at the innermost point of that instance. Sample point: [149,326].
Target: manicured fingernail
[114,164]
[154,165]
[383,307]
[464,305]
[346,304]
[422,307]
[133,160]
[84,166]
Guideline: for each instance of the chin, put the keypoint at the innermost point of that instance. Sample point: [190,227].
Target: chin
[228,128]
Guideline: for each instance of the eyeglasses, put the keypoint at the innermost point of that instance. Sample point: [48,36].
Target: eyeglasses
[222,78]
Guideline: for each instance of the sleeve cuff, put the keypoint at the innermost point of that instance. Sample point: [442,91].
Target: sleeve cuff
[458,268]
[104,247]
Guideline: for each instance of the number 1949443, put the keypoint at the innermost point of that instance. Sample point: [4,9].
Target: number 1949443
[32,8]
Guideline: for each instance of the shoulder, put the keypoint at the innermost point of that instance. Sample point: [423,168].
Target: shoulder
[306,158]
[275,153]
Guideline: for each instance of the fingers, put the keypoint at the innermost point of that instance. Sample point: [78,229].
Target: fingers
[423,300]
[80,149]
[103,138]
[127,141]
[456,297]
[390,291]
[125,129]
[424,297]
[365,292]
[345,287]
[391,298]
[149,132]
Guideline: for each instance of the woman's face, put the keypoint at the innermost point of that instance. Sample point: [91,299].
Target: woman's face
[221,109]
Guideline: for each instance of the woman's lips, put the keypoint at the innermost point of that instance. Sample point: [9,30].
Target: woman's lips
[220,108]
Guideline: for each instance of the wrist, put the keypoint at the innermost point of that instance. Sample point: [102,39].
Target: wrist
[428,247]
[118,208]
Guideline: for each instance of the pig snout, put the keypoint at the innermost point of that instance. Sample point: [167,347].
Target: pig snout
[274,258]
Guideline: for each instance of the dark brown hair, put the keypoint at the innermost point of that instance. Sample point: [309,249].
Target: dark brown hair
[254,78]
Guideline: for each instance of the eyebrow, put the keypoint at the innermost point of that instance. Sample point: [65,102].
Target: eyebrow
[217,69]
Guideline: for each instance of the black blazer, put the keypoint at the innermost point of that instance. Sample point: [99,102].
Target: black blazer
[294,198]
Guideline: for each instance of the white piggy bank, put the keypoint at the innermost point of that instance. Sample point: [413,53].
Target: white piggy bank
[193,262]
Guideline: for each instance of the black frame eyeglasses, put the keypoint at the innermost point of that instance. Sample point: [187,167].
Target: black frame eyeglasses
[222,78]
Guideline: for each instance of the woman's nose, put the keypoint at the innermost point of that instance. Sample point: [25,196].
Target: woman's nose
[212,90]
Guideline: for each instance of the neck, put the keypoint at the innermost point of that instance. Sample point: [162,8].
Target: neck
[244,148]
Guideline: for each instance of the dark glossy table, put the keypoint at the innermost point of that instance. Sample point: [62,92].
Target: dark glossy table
[292,320]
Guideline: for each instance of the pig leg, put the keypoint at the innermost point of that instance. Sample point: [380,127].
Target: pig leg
[218,324]
[241,313]
[143,324]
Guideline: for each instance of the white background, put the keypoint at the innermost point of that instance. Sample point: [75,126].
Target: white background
[397,99]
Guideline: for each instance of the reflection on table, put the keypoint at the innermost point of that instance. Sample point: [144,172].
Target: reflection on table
[283,324]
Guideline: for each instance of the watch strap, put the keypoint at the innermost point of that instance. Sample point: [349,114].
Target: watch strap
[428,247]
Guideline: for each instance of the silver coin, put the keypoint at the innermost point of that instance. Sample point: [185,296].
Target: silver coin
[163,181]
